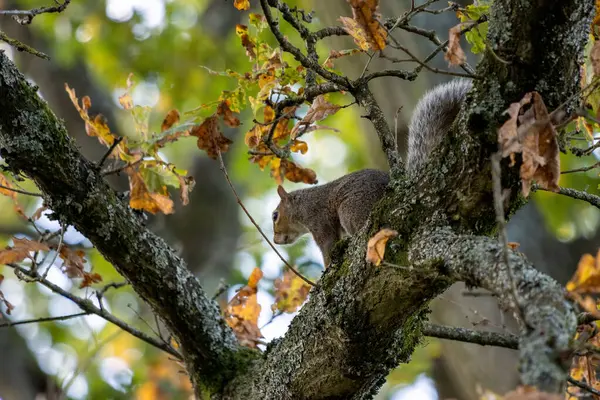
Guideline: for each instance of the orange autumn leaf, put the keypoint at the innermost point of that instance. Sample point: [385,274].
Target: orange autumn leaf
[241,4]
[171,119]
[289,170]
[455,54]
[6,189]
[141,198]
[364,26]
[224,111]
[587,276]
[243,310]
[290,292]
[96,126]
[20,250]
[298,146]
[210,137]
[376,245]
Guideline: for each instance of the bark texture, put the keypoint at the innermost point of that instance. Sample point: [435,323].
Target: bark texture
[361,321]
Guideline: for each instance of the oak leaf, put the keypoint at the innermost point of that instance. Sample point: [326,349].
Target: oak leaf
[141,198]
[292,172]
[376,245]
[224,111]
[74,266]
[210,137]
[364,26]
[247,42]
[243,310]
[455,54]
[290,292]
[20,250]
[587,276]
[319,109]
[125,99]
[96,126]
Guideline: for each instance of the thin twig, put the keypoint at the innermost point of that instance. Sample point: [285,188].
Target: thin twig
[22,46]
[88,306]
[58,248]
[506,340]
[239,201]
[498,206]
[582,169]
[24,17]
[575,194]
[109,152]
[21,191]
[120,169]
[583,386]
[45,319]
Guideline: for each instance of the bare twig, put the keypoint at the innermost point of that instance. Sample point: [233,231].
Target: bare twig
[122,168]
[583,386]
[87,306]
[58,248]
[21,191]
[506,340]
[582,169]
[501,222]
[45,319]
[575,194]
[239,201]
[109,152]
[24,17]
[22,46]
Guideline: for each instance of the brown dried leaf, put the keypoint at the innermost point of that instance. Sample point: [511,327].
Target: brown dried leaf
[290,292]
[243,310]
[533,135]
[247,42]
[9,306]
[20,250]
[292,172]
[376,245]
[228,117]
[141,198]
[455,54]
[96,126]
[171,119]
[334,54]
[364,26]
[319,109]
[210,137]
[186,185]
[38,213]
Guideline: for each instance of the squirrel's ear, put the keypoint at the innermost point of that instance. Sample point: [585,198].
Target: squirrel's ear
[282,193]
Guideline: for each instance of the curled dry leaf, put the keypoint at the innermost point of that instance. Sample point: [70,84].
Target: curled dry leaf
[292,172]
[125,99]
[319,109]
[455,54]
[290,292]
[364,26]
[96,126]
[533,135]
[171,119]
[247,42]
[141,198]
[334,54]
[74,266]
[224,111]
[186,185]
[376,245]
[243,310]
[20,250]
[210,137]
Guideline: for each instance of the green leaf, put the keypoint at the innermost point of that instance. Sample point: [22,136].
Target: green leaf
[157,176]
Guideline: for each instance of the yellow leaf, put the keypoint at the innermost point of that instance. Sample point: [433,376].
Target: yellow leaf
[290,292]
[142,198]
[376,245]
[587,276]
[243,311]
[241,4]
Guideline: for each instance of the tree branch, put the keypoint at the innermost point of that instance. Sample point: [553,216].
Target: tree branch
[34,142]
[470,336]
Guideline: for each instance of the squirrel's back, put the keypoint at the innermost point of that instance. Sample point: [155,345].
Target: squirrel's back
[432,118]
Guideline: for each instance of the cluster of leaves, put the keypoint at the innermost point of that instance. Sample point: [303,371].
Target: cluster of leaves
[243,310]
[468,16]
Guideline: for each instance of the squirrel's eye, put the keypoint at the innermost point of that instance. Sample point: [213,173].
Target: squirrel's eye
[275,215]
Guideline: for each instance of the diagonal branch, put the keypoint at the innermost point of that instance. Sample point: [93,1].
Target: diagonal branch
[34,142]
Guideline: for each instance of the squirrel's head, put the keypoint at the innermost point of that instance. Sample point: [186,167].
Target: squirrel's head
[286,228]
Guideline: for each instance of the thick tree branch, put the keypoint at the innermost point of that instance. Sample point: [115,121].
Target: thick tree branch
[34,142]
[550,320]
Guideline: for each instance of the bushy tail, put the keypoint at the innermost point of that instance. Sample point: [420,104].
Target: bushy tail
[432,118]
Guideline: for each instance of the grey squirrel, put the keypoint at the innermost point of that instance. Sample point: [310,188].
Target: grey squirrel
[341,207]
